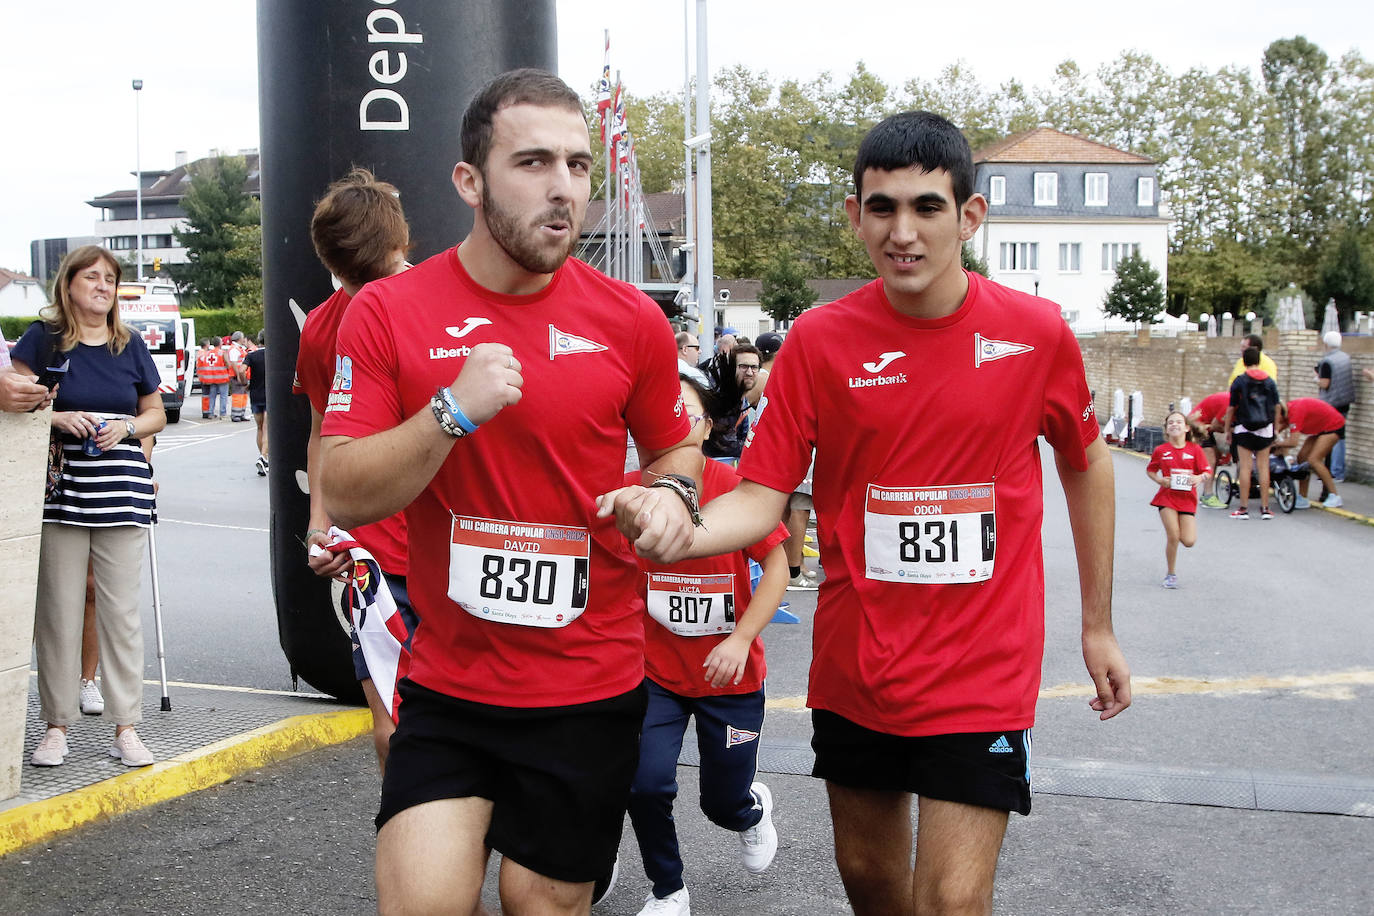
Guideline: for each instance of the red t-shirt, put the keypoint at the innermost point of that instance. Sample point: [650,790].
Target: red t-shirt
[1213,406]
[678,597]
[315,367]
[927,487]
[1168,459]
[525,597]
[1312,417]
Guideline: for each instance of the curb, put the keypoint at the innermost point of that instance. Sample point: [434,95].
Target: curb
[202,768]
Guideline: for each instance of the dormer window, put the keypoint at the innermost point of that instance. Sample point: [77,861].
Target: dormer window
[997,190]
[1046,189]
[1095,189]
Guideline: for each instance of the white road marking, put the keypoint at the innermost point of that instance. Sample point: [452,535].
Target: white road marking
[179,521]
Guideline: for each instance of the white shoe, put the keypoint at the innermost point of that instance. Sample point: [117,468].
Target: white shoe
[759,843]
[261,466]
[130,750]
[675,904]
[52,750]
[800,583]
[92,703]
[1333,501]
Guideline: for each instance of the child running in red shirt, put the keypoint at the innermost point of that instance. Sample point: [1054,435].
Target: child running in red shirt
[703,657]
[1178,466]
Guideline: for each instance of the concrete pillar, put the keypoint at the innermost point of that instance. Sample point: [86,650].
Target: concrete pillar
[23,460]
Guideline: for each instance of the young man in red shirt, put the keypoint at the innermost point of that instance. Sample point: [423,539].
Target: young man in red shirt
[488,392]
[923,395]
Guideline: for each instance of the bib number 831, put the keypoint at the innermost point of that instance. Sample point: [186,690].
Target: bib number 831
[531,581]
[935,530]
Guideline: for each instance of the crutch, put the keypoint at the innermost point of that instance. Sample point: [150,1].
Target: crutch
[157,614]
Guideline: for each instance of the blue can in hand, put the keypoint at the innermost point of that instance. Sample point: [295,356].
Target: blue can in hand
[89,446]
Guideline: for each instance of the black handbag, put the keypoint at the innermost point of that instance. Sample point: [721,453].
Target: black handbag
[57,460]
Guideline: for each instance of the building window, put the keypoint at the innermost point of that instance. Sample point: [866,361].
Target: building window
[1144,192]
[1095,189]
[997,190]
[1046,189]
[122,243]
[1070,256]
[1019,256]
[1113,252]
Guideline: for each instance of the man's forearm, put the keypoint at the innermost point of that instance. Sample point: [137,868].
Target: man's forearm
[1091,496]
[368,479]
[737,519]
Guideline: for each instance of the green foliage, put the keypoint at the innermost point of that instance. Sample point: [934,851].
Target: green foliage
[1137,294]
[969,260]
[14,326]
[1344,273]
[223,322]
[784,293]
[216,209]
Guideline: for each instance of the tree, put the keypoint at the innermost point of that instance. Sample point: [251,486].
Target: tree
[1344,274]
[246,258]
[216,205]
[785,293]
[1137,294]
[969,260]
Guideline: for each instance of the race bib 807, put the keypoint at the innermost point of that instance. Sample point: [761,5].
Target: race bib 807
[521,573]
[927,535]
[693,605]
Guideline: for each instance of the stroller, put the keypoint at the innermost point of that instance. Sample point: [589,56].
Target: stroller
[1283,482]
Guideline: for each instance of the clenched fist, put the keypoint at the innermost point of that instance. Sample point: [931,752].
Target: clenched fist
[490,380]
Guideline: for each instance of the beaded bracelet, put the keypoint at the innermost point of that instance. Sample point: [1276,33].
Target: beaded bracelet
[451,403]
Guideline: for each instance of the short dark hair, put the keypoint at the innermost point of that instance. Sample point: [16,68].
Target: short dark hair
[358,226]
[526,86]
[738,349]
[919,138]
[1255,341]
[1250,356]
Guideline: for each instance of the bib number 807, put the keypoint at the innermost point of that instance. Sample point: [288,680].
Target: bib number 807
[535,579]
[694,609]
[935,530]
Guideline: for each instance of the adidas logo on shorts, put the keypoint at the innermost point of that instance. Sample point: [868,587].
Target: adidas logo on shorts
[1000,746]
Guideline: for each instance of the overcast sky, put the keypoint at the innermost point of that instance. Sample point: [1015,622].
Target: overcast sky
[68,106]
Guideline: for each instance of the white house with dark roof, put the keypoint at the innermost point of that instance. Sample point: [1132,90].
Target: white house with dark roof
[20,295]
[1063,210]
[162,211]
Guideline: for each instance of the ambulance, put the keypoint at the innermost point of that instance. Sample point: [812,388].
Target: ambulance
[152,309]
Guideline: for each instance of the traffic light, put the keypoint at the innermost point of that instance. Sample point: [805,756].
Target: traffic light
[157,265]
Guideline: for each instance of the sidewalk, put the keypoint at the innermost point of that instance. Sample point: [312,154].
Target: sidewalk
[210,735]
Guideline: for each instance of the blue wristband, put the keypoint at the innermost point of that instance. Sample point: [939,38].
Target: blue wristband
[452,404]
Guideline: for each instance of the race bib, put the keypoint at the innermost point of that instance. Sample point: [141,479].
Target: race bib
[689,605]
[522,573]
[1180,480]
[929,535]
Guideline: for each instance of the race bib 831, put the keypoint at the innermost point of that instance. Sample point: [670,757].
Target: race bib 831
[926,535]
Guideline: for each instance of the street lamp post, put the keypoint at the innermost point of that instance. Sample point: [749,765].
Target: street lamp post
[138,170]
[1035,281]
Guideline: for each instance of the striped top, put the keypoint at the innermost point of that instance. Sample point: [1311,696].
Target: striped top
[110,489]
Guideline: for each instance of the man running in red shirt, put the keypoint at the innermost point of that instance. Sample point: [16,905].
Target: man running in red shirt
[929,630]
[488,392]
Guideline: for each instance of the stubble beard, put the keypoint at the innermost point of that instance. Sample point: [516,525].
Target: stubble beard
[518,242]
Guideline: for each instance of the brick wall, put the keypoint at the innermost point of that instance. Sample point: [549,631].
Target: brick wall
[1166,369]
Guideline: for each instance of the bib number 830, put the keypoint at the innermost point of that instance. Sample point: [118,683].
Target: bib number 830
[531,581]
[935,530]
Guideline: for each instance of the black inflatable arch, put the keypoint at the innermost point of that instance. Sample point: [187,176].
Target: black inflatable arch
[381,84]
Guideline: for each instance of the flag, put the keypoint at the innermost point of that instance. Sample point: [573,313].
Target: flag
[618,125]
[603,88]
[377,623]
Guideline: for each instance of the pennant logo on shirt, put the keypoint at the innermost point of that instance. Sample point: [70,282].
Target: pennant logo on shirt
[985,349]
[734,737]
[561,343]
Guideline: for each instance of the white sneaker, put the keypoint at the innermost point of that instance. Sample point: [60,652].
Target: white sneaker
[675,904]
[800,583]
[261,466]
[1333,501]
[92,703]
[52,750]
[759,843]
[130,750]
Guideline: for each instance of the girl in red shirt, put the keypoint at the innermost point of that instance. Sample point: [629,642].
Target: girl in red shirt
[1324,427]
[1178,466]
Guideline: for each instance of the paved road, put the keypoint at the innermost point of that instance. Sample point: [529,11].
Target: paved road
[1260,664]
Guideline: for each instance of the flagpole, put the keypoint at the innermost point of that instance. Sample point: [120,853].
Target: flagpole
[689,263]
[706,289]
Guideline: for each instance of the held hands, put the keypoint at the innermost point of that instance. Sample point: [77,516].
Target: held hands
[1111,676]
[725,664]
[654,519]
[490,380]
[22,393]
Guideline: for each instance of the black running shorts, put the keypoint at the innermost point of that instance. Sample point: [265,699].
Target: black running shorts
[1251,441]
[987,769]
[558,776]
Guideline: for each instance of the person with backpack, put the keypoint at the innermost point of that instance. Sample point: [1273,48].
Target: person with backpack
[1250,421]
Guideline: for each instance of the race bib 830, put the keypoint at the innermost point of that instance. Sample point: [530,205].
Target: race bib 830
[928,535]
[522,573]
